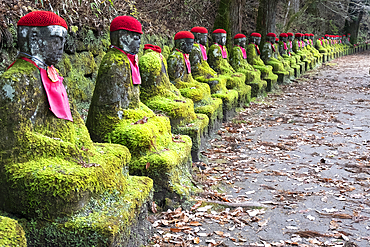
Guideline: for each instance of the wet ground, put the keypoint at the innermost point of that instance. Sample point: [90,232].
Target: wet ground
[301,155]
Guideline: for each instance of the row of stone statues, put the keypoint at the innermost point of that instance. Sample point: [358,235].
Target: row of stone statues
[148,117]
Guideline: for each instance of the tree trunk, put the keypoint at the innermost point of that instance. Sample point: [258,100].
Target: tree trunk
[266,19]
[229,17]
[355,14]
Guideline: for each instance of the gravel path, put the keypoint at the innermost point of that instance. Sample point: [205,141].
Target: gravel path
[303,153]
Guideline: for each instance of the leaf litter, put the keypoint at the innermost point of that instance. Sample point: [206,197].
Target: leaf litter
[290,170]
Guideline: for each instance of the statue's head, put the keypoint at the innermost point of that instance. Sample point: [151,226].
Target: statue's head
[255,38]
[283,37]
[298,36]
[290,36]
[219,36]
[240,39]
[271,37]
[200,35]
[42,35]
[348,35]
[311,36]
[125,33]
[184,41]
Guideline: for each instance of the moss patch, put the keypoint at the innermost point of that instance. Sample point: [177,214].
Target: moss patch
[11,233]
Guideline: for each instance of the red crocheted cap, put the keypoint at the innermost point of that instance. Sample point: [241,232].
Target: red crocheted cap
[158,49]
[183,35]
[290,34]
[240,36]
[312,35]
[277,39]
[271,35]
[42,19]
[199,30]
[348,34]
[219,31]
[298,35]
[255,35]
[125,22]
[149,46]
[283,35]
[326,35]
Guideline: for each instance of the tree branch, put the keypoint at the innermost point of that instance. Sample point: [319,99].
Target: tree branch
[299,13]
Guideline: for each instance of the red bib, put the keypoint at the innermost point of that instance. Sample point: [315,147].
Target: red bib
[55,92]
[134,64]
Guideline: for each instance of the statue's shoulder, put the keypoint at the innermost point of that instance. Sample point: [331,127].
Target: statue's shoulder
[214,47]
[151,60]
[20,68]
[196,47]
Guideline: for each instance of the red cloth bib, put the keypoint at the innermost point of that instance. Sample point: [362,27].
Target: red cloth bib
[55,92]
[187,62]
[134,64]
[285,46]
[204,52]
[243,51]
[258,49]
[223,51]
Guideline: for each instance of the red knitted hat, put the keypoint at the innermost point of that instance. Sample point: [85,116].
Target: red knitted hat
[298,35]
[199,30]
[125,22]
[283,35]
[149,46]
[312,35]
[42,19]
[290,34]
[183,35]
[219,31]
[306,34]
[240,36]
[326,35]
[271,35]
[348,34]
[277,39]
[158,49]
[255,35]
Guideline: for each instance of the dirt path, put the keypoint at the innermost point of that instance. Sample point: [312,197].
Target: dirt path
[303,153]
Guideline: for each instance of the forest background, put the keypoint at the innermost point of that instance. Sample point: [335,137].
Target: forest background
[89,21]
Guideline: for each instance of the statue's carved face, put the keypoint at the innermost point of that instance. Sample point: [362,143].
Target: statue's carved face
[220,38]
[201,38]
[290,38]
[271,39]
[126,40]
[44,43]
[241,42]
[185,45]
[284,39]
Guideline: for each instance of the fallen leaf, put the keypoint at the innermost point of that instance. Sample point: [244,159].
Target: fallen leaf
[195,223]
[219,233]
[196,205]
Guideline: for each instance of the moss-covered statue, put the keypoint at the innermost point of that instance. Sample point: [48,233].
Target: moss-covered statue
[298,46]
[286,54]
[202,72]
[218,59]
[319,46]
[270,57]
[297,57]
[160,95]
[281,59]
[50,168]
[315,52]
[254,59]
[311,51]
[179,71]
[117,115]
[238,61]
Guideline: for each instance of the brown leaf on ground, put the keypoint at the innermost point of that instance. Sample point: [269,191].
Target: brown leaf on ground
[196,205]
[141,121]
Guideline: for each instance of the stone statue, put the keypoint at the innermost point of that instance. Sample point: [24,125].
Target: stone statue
[202,72]
[180,74]
[269,56]
[239,62]
[160,95]
[254,59]
[50,167]
[298,48]
[286,63]
[295,55]
[218,59]
[286,54]
[117,115]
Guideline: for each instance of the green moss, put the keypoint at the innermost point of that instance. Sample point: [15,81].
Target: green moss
[11,233]
[166,51]
[106,220]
